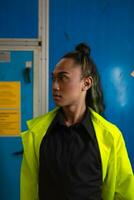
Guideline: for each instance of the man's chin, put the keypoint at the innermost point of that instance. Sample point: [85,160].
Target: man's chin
[59,104]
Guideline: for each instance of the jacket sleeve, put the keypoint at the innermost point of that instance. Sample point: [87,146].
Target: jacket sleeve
[125,177]
[29,169]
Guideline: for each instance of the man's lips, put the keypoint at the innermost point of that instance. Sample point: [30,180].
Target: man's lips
[56,96]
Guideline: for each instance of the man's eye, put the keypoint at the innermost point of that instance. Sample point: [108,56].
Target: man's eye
[62,78]
[59,78]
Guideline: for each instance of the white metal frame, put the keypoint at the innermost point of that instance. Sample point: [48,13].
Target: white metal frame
[44,38]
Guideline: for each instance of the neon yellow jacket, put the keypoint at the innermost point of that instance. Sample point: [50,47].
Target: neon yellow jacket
[118,179]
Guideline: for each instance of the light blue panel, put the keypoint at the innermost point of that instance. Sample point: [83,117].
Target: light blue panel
[107,26]
[10,165]
[10,162]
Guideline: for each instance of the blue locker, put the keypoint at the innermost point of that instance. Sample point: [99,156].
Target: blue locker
[107,26]
[14,70]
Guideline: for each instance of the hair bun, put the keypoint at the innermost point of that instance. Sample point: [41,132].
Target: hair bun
[83,48]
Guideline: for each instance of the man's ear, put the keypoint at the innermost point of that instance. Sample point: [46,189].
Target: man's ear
[88,81]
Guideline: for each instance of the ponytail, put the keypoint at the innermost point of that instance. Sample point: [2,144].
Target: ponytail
[81,56]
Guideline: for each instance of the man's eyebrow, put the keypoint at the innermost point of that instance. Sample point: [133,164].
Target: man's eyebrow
[60,73]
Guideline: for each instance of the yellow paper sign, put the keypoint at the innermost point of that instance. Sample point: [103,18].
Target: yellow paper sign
[9,108]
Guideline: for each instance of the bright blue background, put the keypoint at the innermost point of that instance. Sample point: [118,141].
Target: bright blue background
[108,27]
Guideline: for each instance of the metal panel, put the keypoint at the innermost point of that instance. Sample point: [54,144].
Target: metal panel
[19,19]
[10,168]
[13,69]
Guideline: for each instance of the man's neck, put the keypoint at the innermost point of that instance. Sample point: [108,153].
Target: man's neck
[73,114]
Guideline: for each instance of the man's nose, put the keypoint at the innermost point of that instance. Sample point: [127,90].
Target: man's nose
[55,85]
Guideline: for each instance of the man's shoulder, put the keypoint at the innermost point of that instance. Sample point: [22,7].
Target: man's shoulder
[42,120]
[104,124]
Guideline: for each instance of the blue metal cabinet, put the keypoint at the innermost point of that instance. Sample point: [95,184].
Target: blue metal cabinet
[10,163]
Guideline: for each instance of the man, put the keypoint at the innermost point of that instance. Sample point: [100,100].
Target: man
[72,152]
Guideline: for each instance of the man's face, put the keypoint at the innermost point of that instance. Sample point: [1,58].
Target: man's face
[67,83]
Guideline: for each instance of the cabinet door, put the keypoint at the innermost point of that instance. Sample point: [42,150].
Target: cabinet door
[13,68]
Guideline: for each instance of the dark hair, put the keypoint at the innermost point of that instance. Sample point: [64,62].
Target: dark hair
[81,55]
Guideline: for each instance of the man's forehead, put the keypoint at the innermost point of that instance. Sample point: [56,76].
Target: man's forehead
[66,66]
[62,68]
[66,63]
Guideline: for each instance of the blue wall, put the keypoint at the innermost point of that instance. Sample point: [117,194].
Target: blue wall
[107,26]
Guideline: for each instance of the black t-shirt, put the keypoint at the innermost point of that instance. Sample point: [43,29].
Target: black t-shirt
[70,164]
